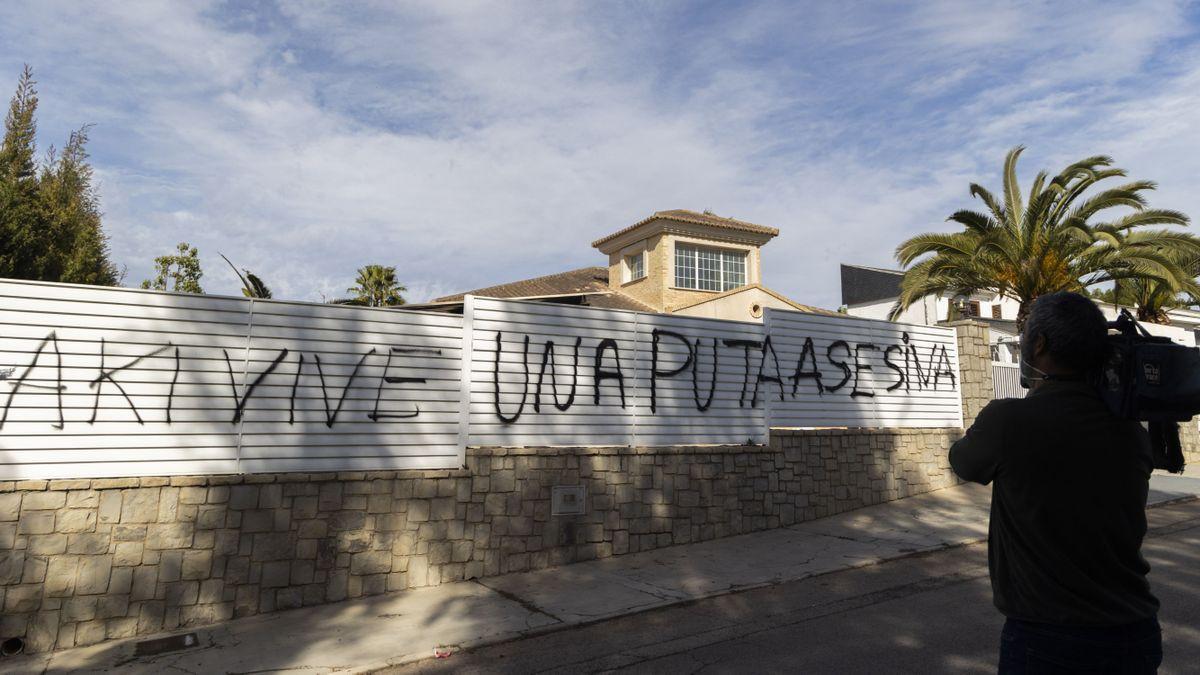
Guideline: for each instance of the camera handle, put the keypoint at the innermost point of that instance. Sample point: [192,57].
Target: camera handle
[1165,447]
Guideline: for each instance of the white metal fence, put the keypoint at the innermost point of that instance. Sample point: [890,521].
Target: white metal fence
[1006,380]
[113,382]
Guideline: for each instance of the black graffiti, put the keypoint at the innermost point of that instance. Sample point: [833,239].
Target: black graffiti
[375,415]
[599,374]
[548,360]
[762,378]
[98,383]
[655,337]
[239,403]
[943,367]
[901,381]
[807,353]
[846,372]
[859,366]
[330,417]
[295,386]
[509,419]
[712,389]
[765,349]
[691,362]
[910,366]
[109,376]
[939,365]
[174,381]
[746,346]
[58,387]
[911,357]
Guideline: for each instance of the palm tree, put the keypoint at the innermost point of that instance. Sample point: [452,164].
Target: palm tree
[376,286]
[1151,299]
[252,286]
[1055,242]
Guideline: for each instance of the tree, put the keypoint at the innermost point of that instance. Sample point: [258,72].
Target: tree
[78,248]
[50,221]
[21,234]
[1150,299]
[1054,242]
[181,270]
[252,286]
[1108,295]
[376,286]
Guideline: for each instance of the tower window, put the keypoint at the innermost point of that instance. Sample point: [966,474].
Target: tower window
[635,266]
[709,269]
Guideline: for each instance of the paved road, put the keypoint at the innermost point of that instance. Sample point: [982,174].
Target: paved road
[926,613]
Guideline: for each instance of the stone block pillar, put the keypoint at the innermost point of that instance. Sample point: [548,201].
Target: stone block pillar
[1189,438]
[974,366]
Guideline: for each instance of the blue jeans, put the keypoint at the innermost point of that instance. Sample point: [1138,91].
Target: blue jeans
[1028,647]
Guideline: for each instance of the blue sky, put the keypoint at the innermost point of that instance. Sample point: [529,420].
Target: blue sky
[475,143]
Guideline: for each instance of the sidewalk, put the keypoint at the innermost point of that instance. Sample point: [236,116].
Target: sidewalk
[371,633]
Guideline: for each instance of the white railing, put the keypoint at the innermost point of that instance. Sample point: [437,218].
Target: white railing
[1006,380]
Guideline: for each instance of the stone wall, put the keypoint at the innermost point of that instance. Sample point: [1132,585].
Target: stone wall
[82,561]
[1189,438]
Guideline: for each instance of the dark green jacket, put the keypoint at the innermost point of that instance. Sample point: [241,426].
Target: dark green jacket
[1068,506]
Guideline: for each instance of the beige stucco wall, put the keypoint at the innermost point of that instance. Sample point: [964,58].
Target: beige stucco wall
[648,289]
[737,306]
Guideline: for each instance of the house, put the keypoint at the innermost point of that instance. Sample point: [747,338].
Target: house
[872,292]
[672,262]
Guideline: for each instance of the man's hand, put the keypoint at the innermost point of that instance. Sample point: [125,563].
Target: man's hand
[976,457]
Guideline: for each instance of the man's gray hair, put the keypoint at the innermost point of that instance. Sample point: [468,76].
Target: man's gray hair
[1074,328]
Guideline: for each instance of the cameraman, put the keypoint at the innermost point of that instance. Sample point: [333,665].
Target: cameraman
[1068,506]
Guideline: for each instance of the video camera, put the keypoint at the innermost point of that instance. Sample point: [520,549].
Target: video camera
[1151,379]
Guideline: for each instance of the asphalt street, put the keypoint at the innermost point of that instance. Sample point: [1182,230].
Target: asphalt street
[924,613]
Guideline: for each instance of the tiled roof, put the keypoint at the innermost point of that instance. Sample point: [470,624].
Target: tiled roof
[685,216]
[616,300]
[583,280]
[591,282]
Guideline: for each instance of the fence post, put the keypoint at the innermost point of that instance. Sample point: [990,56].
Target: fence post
[768,407]
[632,436]
[245,382]
[468,356]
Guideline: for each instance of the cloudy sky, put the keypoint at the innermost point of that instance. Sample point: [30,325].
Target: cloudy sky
[475,143]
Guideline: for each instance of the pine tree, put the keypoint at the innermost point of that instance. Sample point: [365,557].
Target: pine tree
[78,247]
[21,233]
[50,221]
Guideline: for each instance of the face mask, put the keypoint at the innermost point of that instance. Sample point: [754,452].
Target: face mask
[1031,373]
